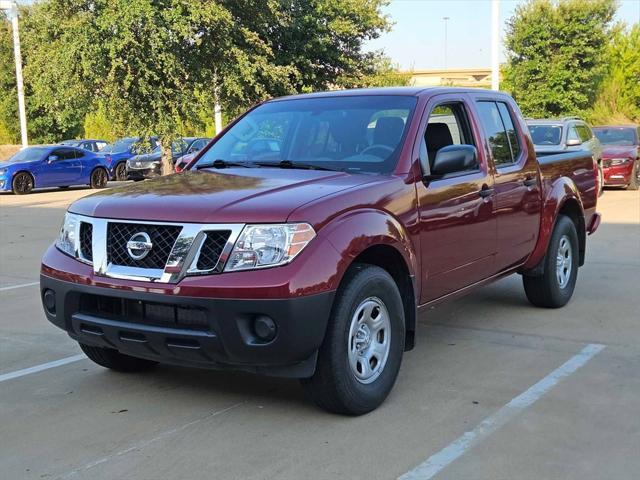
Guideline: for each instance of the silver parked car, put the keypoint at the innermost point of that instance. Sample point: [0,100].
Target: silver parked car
[565,134]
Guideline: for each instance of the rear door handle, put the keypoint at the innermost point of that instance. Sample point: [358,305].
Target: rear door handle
[530,182]
[485,191]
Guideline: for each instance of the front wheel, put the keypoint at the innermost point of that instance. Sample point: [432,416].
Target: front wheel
[110,358]
[360,357]
[99,178]
[22,183]
[634,182]
[121,172]
[554,288]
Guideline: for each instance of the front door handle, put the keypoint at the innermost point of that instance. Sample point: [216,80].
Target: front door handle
[485,191]
[530,182]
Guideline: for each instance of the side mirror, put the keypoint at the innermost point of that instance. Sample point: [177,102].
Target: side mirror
[572,142]
[52,158]
[455,158]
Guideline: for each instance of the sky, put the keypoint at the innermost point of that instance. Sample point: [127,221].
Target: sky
[416,41]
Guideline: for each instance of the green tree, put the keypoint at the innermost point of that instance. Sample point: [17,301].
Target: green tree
[557,54]
[618,100]
[8,94]
[143,67]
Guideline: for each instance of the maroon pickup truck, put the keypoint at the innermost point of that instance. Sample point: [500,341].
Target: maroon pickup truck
[305,240]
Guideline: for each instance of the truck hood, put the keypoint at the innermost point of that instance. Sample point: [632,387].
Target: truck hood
[232,195]
[618,151]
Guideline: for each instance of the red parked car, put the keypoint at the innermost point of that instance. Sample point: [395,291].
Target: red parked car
[621,155]
[307,238]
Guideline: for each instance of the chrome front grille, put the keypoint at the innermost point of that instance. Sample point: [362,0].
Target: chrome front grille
[211,249]
[163,237]
[86,235]
[173,250]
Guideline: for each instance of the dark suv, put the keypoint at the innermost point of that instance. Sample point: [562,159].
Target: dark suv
[566,134]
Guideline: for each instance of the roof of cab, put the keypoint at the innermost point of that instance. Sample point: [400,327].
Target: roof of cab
[399,91]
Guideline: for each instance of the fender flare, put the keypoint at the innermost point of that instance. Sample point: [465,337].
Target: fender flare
[561,192]
[357,232]
[354,232]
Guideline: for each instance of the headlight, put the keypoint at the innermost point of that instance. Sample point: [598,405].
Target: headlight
[619,161]
[3,171]
[260,246]
[69,235]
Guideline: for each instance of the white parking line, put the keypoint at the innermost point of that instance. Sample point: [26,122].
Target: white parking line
[12,287]
[39,368]
[435,463]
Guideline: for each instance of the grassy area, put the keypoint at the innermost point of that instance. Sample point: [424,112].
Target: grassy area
[7,150]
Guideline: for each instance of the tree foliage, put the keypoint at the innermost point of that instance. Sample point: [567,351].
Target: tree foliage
[619,95]
[142,67]
[557,53]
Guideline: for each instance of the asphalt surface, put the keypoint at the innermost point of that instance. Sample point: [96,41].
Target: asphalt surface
[472,370]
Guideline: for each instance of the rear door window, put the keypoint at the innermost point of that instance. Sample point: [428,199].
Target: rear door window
[500,132]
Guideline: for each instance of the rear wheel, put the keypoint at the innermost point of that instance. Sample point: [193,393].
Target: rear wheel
[360,357]
[634,182]
[121,172]
[99,178]
[554,288]
[22,183]
[109,358]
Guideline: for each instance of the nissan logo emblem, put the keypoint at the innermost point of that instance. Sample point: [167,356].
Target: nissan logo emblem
[139,245]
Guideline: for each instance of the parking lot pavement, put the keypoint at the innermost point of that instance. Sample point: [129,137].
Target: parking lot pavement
[472,370]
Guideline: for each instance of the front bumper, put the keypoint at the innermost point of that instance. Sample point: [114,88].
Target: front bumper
[618,175]
[141,174]
[193,331]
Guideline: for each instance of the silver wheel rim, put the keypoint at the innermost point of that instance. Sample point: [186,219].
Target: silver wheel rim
[564,262]
[369,340]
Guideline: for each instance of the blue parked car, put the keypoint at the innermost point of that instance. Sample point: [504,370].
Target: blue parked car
[117,154]
[52,166]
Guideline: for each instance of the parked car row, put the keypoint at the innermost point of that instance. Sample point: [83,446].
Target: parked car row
[615,148]
[149,165]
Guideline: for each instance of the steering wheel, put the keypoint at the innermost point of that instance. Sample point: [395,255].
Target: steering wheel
[377,145]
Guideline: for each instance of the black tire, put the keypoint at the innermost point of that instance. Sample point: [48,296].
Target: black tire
[99,178]
[109,358]
[634,183]
[22,183]
[121,172]
[334,386]
[546,290]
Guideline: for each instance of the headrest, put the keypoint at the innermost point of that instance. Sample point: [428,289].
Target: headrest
[388,131]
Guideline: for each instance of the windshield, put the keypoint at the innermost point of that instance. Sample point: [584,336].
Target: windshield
[546,134]
[30,154]
[362,134]
[120,146]
[616,136]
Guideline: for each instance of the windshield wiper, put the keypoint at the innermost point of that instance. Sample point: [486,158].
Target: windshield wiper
[219,163]
[296,165]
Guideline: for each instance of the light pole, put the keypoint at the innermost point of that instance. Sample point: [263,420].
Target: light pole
[12,10]
[495,45]
[446,19]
